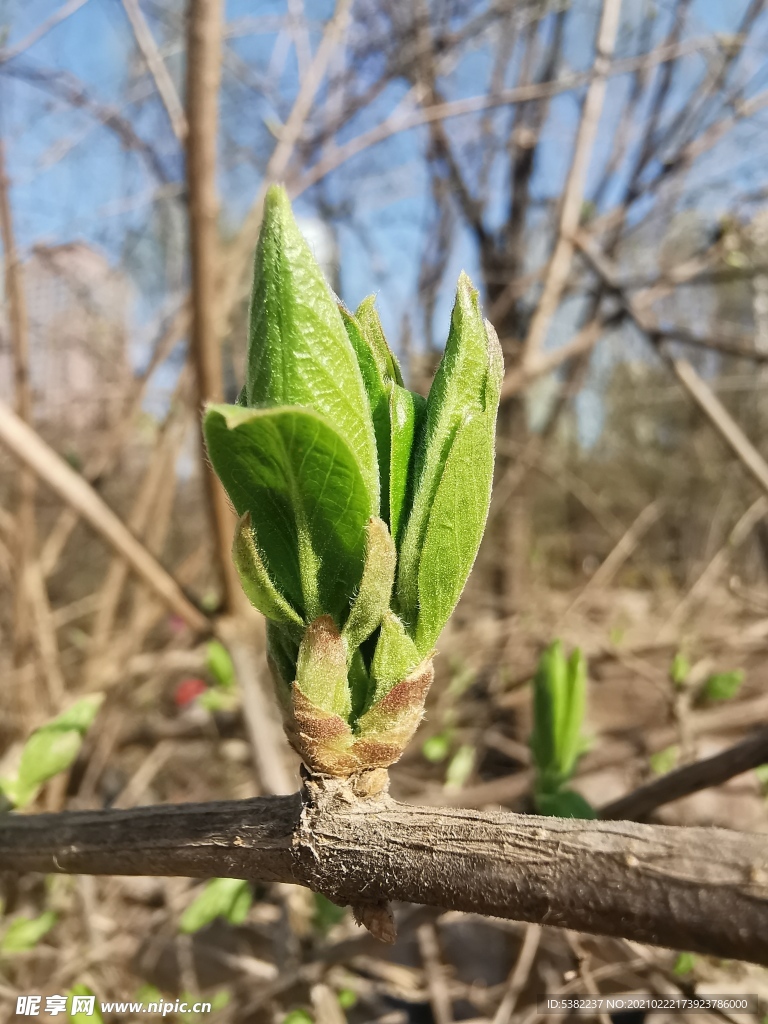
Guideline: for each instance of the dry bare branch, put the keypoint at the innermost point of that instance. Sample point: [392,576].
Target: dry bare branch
[691,778]
[33,452]
[573,194]
[156,65]
[203,79]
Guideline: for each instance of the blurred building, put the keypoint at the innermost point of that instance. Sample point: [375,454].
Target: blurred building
[78,308]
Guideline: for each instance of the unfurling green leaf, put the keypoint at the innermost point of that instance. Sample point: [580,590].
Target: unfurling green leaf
[298,349]
[396,656]
[406,417]
[24,933]
[255,580]
[559,701]
[368,318]
[376,584]
[377,386]
[306,497]
[52,749]
[453,473]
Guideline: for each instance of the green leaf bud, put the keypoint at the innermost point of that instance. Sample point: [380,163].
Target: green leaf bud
[298,349]
[453,473]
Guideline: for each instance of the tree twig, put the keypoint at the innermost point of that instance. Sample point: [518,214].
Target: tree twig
[573,194]
[154,61]
[700,889]
[691,778]
[203,80]
[30,449]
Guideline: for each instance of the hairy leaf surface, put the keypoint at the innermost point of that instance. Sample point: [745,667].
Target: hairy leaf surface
[298,351]
[306,497]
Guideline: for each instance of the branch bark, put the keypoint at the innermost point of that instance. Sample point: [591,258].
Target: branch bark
[699,889]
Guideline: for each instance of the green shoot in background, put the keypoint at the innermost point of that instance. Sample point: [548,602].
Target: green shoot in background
[559,703]
[361,504]
[51,749]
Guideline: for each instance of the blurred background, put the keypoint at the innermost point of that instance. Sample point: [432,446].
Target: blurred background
[600,169]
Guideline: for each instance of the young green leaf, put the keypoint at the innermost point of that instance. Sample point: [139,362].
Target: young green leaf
[24,932]
[453,529]
[565,803]
[569,741]
[453,473]
[406,416]
[368,318]
[254,578]
[229,898]
[52,748]
[550,689]
[396,656]
[377,386]
[306,496]
[92,1013]
[219,664]
[298,349]
[723,685]
[375,586]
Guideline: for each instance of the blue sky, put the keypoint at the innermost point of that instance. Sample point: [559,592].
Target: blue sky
[72,180]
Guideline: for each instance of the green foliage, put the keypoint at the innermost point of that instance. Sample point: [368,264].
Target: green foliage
[51,749]
[81,1017]
[438,747]
[298,350]
[347,998]
[24,933]
[308,503]
[230,898]
[361,504]
[453,473]
[664,761]
[679,669]
[460,766]
[559,703]
[566,803]
[220,665]
[685,963]
[723,685]
[298,1017]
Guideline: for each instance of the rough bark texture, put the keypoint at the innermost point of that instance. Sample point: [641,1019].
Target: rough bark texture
[698,889]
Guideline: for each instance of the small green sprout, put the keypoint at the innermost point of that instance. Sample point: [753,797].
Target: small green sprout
[559,702]
[24,933]
[361,504]
[723,685]
[663,761]
[51,749]
[230,898]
